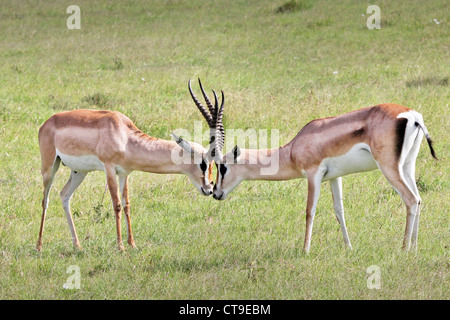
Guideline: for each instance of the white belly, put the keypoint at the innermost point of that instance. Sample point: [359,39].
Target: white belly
[81,163]
[358,159]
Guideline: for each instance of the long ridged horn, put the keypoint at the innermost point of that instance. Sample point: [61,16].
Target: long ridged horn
[219,126]
[219,132]
[208,103]
[214,118]
[200,107]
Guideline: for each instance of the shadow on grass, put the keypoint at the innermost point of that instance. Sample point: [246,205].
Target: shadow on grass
[293,6]
[427,81]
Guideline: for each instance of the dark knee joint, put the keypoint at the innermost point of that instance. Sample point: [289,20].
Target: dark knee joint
[117,208]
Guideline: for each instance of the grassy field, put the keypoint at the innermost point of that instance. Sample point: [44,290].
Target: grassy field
[279,70]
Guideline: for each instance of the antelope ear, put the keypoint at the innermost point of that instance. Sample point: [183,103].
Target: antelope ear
[233,156]
[236,152]
[182,143]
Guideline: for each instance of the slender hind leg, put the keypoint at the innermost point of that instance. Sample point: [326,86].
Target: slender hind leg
[411,201]
[75,179]
[48,173]
[412,183]
[336,191]
[123,184]
[409,168]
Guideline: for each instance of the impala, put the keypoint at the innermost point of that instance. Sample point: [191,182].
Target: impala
[88,140]
[385,136]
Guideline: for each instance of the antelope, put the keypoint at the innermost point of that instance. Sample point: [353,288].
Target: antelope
[386,136]
[89,140]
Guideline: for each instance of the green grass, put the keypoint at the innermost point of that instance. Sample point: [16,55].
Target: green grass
[277,70]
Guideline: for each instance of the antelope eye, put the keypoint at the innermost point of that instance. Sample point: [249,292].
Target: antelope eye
[203,166]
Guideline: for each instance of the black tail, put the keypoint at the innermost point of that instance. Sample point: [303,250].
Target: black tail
[430,144]
[429,140]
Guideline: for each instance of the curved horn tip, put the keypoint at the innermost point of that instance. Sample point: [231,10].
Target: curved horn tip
[175,137]
[215,98]
[223,101]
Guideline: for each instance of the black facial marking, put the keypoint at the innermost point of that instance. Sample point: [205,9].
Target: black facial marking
[203,166]
[358,133]
[222,170]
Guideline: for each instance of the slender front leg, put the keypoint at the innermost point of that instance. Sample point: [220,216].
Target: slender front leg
[48,173]
[123,183]
[314,182]
[336,191]
[115,197]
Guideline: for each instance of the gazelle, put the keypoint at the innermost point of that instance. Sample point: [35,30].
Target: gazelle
[88,140]
[385,136]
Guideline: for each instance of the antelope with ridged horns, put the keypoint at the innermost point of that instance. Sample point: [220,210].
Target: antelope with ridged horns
[88,140]
[386,136]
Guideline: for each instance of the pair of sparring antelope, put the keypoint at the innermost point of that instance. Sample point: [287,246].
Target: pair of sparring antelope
[386,137]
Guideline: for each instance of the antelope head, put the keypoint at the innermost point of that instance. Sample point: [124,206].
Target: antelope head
[200,168]
[228,175]
[201,172]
